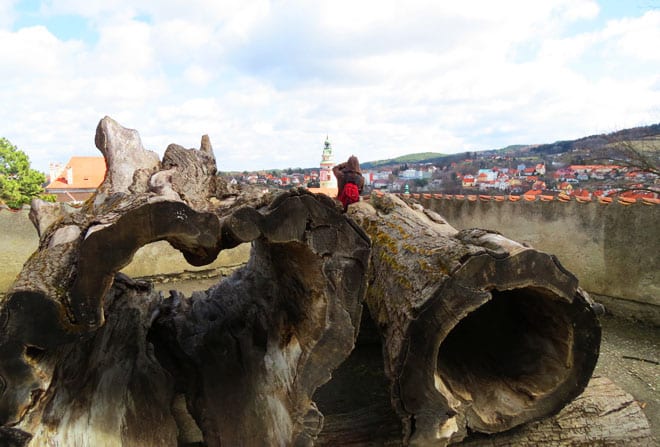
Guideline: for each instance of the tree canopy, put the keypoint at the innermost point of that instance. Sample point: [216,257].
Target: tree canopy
[18,182]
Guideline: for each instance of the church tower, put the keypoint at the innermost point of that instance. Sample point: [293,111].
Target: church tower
[326,177]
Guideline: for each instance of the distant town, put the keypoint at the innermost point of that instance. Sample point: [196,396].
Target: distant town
[469,177]
[579,168]
[582,170]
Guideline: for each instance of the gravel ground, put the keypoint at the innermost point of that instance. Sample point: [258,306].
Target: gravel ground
[629,354]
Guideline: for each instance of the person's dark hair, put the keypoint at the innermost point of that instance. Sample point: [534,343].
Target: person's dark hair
[353,164]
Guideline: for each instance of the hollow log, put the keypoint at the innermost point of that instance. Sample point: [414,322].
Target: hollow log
[480,333]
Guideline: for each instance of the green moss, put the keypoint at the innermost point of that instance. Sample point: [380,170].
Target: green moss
[381,239]
[403,234]
[425,266]
[405,282]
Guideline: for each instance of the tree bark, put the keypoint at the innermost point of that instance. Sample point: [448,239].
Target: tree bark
[603,415]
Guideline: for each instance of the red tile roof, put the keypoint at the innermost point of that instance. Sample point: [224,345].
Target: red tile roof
[80,173]
[581,193]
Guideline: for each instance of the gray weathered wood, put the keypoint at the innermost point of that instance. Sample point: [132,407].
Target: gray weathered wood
[604,415]
[479,332]
[90,359]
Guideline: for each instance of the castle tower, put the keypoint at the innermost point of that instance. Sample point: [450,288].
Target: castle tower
[326,178]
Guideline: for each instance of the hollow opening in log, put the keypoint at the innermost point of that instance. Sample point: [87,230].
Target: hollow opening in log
[355,402]
[505,355]
[167,268]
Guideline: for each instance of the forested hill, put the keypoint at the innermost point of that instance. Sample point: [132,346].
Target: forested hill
[590,142]
[422,157]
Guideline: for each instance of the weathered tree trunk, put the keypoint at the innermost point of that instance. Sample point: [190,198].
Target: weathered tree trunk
[107,388]
[478,333]
[89,358]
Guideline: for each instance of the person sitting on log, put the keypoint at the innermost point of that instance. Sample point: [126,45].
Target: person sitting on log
[349,181]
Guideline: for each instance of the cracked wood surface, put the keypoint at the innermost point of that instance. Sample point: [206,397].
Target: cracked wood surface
[603,415]
[89,357]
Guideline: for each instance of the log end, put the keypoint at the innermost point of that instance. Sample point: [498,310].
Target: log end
[507,341]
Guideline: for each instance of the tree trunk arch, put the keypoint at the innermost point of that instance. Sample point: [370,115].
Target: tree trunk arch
[475,333]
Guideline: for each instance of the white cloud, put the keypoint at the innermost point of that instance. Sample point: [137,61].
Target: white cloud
[124,47]
[268,80]
[175,40]
[197,75]
[638,38]
[33,51]
[581,10]
[7,14]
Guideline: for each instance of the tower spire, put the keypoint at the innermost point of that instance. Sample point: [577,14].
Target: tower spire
[326,178]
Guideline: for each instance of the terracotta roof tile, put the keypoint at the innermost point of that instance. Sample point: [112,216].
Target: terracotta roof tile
[86,173]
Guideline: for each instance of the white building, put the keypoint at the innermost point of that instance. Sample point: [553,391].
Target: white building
[411,174]
[487,174]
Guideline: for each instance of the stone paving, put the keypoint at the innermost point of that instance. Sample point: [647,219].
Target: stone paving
[630,357]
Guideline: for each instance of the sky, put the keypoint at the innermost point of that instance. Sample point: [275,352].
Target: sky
[269,80]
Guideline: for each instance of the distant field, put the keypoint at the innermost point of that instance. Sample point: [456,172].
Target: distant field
[410,158]
[648,144]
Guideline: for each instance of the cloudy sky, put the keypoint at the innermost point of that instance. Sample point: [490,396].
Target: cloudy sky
[268,80]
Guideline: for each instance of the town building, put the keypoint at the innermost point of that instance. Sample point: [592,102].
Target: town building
[77,180]
[468,181]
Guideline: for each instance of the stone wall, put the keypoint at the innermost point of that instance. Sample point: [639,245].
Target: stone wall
[613,249]
[18,240]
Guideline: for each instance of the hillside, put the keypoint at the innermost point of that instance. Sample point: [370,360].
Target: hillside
[592,142]
[595,142]
[421,157]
